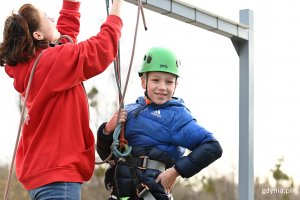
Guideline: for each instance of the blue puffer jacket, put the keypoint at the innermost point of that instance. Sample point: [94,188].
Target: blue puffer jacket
[162,132]
[169,127]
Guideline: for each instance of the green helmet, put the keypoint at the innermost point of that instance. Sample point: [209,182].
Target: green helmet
[159,59]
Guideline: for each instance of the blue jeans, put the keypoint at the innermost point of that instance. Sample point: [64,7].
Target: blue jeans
[57,191]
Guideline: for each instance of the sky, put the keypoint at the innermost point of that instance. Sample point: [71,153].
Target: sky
[209,82]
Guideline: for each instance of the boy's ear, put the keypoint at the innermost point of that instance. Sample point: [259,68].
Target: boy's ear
[37,35]
[143,82]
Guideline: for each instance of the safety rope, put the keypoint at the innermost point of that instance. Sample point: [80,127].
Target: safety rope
[119,131]
[119,141]
[22,117]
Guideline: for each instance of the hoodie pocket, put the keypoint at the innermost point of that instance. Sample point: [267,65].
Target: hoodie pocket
[87,159]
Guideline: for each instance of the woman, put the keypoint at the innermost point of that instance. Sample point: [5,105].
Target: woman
[56,151]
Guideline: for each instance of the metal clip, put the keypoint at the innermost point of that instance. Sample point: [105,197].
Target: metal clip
[143,192]
[145,162]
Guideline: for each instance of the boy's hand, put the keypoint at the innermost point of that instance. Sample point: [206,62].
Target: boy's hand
[167,179]
[111,124]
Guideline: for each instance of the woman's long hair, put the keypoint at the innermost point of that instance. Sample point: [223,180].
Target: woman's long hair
[18,44]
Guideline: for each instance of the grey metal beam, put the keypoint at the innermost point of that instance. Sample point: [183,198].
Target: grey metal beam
[197,17]
[246,112]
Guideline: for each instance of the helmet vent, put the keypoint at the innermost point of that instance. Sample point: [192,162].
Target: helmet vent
[149,58]
[178,63]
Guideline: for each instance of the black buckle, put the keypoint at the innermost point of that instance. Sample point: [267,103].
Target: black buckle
[143,191]
[145,160]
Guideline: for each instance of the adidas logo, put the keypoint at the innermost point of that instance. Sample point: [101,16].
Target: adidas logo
[156,113]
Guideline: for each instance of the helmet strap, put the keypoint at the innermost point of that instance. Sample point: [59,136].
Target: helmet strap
[175,85]
[146,90]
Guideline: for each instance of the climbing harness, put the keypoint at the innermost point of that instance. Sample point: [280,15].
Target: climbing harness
[119,141]
[23,114]
[142,163]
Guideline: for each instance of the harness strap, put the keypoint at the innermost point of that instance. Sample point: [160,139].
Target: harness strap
[144,192]
[143,162]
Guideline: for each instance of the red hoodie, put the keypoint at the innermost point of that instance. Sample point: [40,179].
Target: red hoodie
[57,143]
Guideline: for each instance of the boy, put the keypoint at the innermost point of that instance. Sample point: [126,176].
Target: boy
[158,128]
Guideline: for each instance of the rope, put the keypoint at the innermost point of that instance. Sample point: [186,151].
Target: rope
[120,128]
[22,117]
[119,131]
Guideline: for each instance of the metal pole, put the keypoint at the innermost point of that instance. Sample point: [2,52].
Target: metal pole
[246,111]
